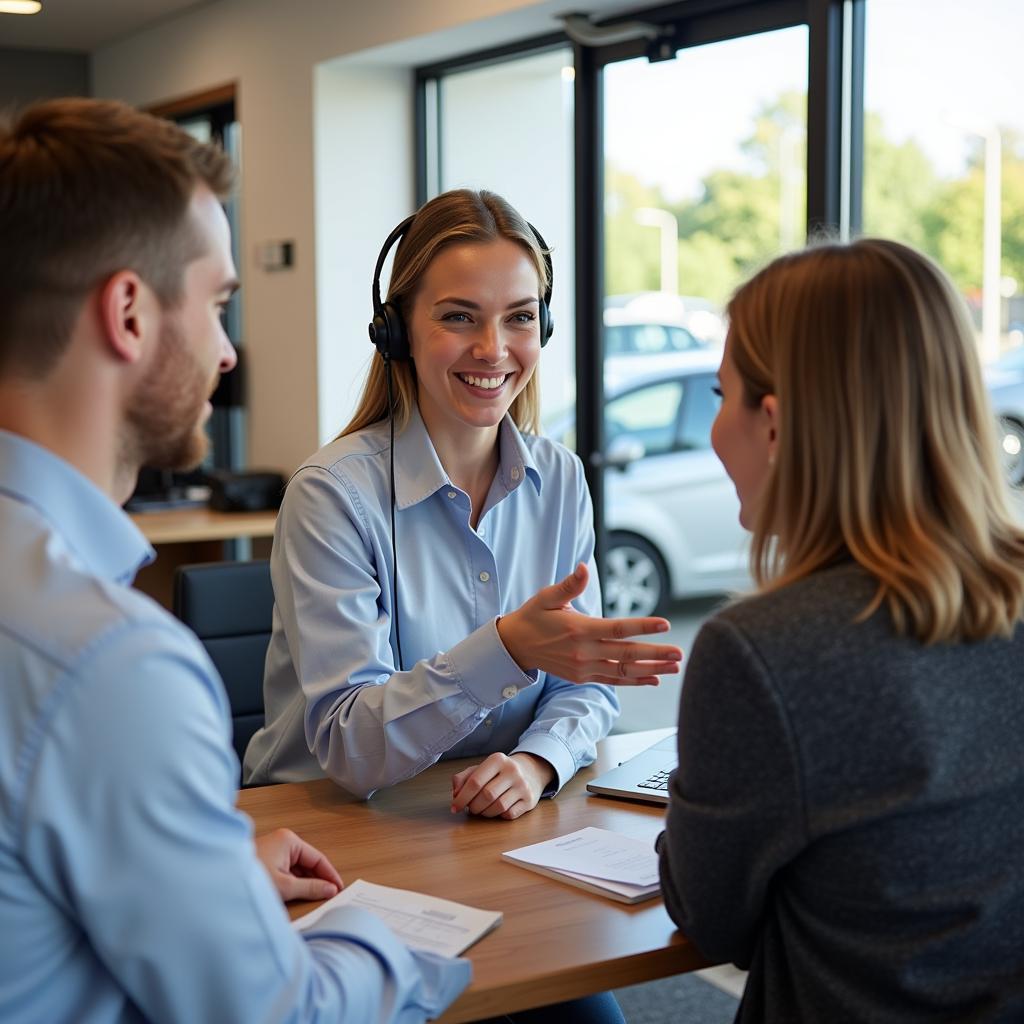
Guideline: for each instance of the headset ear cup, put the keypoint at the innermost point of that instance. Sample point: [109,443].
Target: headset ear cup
[398,339]
[378,331]
[387,332]
[547,323]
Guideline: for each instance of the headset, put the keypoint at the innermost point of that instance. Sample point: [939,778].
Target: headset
[390,338]
[387,328]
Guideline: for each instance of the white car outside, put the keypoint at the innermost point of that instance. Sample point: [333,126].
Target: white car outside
[671,511]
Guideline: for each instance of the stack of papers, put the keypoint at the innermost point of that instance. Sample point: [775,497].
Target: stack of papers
[421,922]
[610,864]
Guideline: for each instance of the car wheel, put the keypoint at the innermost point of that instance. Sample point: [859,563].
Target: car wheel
[1011,450]
[635,580]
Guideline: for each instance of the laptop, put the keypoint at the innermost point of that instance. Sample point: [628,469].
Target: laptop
[643,777]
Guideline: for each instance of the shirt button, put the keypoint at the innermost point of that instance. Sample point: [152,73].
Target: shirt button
[490,721]
[509,692]
[515,473]
[481,532]
[451,494]
[484,577]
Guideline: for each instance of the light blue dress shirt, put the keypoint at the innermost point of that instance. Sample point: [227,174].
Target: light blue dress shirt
[335,703]
[129,887]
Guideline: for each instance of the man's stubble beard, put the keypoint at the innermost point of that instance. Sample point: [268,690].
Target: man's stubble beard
[163,425]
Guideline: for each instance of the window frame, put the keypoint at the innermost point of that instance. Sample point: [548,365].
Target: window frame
[835,150]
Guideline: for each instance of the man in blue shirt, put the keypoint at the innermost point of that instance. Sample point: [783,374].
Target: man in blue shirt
[130,886]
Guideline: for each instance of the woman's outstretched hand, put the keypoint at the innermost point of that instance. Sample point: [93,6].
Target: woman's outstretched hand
[547,633]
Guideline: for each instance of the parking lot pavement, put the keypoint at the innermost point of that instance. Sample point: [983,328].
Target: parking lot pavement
[650,707]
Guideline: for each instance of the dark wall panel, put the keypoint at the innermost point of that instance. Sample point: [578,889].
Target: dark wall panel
[27,75]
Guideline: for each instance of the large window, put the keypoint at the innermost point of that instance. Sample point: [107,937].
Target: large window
[697,196]
[695,172]
[705,171]
[944,147]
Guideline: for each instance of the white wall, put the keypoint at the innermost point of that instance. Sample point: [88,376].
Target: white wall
[364,153]
[271,49]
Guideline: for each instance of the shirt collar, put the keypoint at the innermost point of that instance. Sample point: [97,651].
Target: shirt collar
[109,544]
[516,458]
[419,473]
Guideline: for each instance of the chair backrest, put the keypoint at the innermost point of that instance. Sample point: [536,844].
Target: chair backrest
[229,606]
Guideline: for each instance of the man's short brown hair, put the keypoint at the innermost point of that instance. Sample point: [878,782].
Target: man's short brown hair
[88,188]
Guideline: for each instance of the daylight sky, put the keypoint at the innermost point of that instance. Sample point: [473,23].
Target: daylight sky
[936,71]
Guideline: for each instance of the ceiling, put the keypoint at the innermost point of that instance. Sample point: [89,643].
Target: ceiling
[85,25]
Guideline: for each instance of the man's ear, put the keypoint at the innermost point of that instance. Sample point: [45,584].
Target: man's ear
[126,309]
[770,414]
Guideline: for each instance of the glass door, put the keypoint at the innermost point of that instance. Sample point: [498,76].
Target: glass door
[704,181]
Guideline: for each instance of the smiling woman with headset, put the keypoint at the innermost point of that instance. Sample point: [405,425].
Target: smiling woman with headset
[433,566]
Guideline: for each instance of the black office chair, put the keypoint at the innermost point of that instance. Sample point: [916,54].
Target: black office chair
[229,606]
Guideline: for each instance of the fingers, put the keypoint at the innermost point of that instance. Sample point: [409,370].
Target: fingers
[494,788]
[313,864]
[558,595]
[619,629]
[292,887]
[459,778]
[623,663]
[608,680]
[274,849]
[632,650]
[627,672]
[517,810]
[500,805]
[476,778]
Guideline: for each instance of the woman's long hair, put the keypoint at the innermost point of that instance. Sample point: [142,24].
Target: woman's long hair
[455,217]
[887,452]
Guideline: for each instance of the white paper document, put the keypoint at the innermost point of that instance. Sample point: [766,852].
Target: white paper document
[603,862]
[421,922]
[595,853]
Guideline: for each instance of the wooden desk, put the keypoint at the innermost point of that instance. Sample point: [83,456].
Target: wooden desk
[181,525]
[185,535]
[556,942]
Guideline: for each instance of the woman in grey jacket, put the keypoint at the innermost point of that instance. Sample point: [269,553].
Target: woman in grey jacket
[847,819]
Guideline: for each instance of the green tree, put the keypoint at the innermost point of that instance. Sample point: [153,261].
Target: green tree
[743,217]
[900,186]
[953,223]
[631,253]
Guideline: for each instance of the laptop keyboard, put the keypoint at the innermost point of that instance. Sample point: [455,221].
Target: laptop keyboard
[658,781]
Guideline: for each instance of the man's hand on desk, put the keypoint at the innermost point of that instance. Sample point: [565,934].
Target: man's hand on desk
[298,870]
[502,786]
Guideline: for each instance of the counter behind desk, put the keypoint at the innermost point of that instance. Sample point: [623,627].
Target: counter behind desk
[185,535]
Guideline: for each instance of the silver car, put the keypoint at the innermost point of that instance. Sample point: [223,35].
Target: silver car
[671,512]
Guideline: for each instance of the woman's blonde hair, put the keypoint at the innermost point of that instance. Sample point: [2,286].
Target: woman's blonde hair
[457,217]
[886,440]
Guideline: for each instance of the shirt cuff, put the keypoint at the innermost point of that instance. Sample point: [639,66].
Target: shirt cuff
[485,670]
[442,979]
[555,752]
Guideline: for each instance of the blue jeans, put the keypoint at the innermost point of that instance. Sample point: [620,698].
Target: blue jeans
[599,1009]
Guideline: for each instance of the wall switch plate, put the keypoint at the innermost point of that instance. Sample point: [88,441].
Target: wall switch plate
[275,255]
